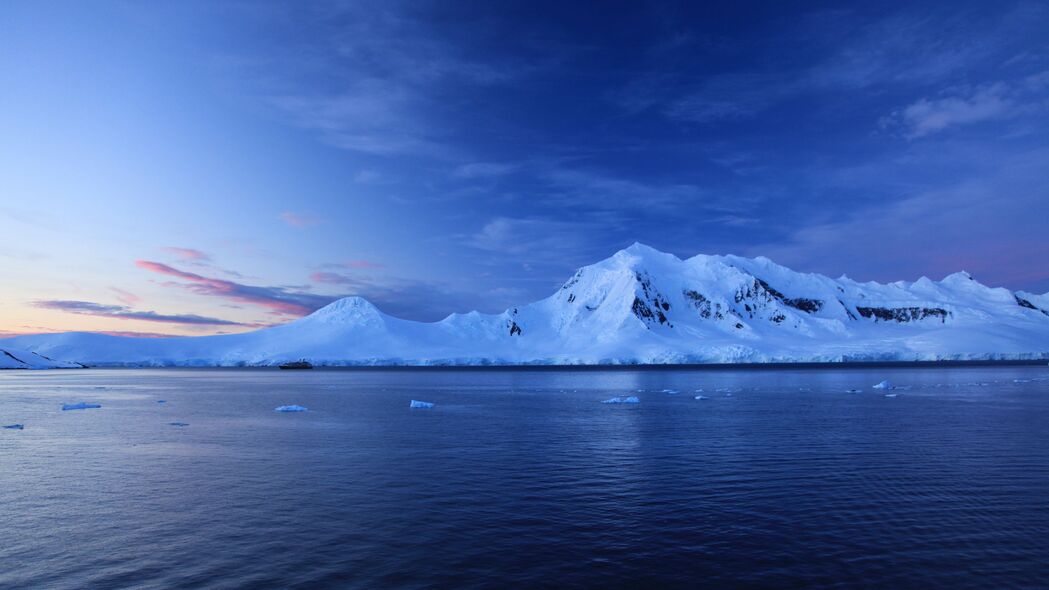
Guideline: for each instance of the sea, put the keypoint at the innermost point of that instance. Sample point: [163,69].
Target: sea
[525,478]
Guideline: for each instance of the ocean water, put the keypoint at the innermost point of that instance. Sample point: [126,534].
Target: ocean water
[523,478]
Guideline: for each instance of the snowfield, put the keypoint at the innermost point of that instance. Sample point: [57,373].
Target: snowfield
[640,306]
[11,358]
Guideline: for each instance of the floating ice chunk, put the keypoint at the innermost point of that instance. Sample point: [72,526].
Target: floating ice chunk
[291,408]
[422,405]
[179,424]
[884,385]
[701,397]
[632,399]
[670,391]
[15,427]
[891,394]
[80,406]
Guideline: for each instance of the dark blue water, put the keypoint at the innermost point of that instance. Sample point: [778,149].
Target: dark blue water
[522,478]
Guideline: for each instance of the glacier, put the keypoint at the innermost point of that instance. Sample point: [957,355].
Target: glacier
[639,306]
[11,358]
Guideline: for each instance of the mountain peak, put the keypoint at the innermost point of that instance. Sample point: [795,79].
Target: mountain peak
[357,310]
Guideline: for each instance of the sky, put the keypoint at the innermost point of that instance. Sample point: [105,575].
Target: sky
[214,167]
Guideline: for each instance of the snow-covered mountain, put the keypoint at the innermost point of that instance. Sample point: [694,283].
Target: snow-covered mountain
[24,359]
[639,306]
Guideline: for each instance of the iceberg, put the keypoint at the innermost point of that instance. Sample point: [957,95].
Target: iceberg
[80,406]
[884,385]
[418,404]
[623,400]
[15,427]
[291,408]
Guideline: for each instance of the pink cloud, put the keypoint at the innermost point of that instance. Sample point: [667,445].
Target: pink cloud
[125,297]
[187,254]
[279,300]
[298,220]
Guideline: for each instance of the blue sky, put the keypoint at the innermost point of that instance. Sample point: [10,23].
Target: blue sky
[210,167]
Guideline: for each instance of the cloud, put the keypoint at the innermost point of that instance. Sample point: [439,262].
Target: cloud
[125,297]
[122,312]
[331,278]
[187,254]
[988,221]
[299,220]
[279,300]
[483,170]
[926,117]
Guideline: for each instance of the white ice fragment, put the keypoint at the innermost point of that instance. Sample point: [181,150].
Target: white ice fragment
[80,406]
[422,405]
[622,400]
[291,408]
[701,397]
[884,385]
[891,394]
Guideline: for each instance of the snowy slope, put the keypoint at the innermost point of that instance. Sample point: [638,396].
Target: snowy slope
[23,359]
[639,306]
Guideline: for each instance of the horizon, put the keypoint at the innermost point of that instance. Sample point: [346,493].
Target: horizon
[198,169]
[495,313]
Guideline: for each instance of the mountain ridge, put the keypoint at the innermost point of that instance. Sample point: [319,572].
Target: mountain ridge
[639,306]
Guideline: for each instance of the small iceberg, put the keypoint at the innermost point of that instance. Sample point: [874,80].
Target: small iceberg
[891,394]
[291,408]
[15,427]
[700,397]
[884,385]
[632,399]
[422,405]
[80,406]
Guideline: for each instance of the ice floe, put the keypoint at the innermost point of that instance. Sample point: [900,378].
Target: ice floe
[291,408]
[422,405]
[80,406]
[631,399]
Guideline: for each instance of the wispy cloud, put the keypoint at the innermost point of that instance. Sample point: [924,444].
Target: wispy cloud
[279,300]
[125,297]
[928,116]
[187,254]
[122,312]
